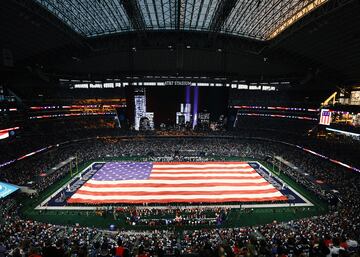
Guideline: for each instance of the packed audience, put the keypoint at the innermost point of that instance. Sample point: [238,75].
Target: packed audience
[336,233]
[25,171]
[35,135]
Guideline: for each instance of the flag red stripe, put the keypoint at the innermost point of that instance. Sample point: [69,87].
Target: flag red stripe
[139,193]
[201,172]
[197,200]
[182,185]
[238,169]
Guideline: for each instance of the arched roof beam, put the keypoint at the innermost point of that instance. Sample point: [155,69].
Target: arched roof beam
[135,16]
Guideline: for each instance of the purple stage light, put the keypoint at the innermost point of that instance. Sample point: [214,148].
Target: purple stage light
[187,94]
[195,107]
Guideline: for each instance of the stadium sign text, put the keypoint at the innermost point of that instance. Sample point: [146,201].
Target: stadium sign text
[177,83]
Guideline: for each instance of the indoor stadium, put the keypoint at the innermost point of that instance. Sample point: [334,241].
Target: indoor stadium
[180,128]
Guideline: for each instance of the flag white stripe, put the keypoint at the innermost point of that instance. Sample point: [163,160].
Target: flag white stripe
[175,189]
[166,181]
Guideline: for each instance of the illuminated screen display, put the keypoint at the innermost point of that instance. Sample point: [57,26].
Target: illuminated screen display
[355,98]
[7,189]
[325,117]
[140,109]
[332,117]
[346,118]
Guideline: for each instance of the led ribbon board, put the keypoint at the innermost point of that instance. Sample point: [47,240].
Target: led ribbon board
[5,133]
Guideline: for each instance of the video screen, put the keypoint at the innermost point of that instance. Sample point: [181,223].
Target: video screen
[331,117]
[7,189]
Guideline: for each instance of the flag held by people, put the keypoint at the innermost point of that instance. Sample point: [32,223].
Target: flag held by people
[176,182]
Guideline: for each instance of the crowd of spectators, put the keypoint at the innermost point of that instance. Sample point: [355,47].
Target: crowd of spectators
[36,135]
[336,233]
[24,171]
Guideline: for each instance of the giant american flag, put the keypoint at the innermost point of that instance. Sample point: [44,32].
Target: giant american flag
[171,182]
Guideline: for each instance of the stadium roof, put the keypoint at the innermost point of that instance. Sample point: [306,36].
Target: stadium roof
[257,19]
[312,43]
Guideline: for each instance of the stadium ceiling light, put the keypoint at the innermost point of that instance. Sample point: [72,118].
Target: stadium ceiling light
[297,16]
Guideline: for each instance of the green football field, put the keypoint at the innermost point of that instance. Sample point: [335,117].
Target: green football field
[235,218]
